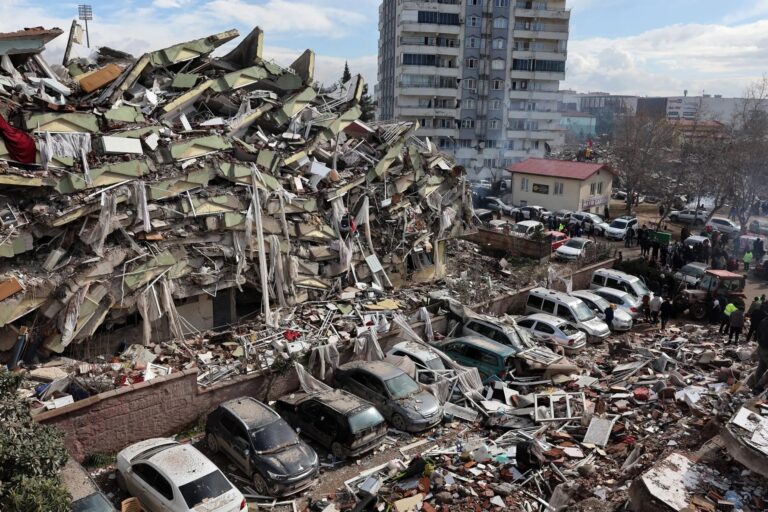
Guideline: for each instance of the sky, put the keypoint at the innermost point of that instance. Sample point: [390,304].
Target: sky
[647,47]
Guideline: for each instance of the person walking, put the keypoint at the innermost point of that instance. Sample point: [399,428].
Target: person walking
[715,311]
[725,320]
[608,313]
[747,259]
[755,319]
[736,325]
[606,213]
[647,307]
[666,312]
[655,308]
[754,306]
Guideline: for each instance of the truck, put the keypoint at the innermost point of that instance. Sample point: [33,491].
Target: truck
[722,284]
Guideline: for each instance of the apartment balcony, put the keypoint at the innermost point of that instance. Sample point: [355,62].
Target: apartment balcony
[431,28]
[455,7]
[436,132]
[535,115]
[428,92]
[422,112]
[541,35]
[540,55]
[552,14]
[423,49]
[430,70]
[535,95]
[536,75]
[533,134]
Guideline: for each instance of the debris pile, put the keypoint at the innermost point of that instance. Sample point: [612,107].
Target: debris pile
[177,191]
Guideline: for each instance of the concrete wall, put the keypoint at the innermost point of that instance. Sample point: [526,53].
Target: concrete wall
[500,244]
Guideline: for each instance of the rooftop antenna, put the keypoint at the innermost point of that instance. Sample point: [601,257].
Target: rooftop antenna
[85,13]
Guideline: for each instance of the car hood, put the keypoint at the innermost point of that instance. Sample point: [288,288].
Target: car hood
[290,461]
[422,404]
[596,326]
[615,230]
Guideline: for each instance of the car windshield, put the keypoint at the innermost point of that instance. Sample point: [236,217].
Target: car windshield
[207,487]
[619,224]
[569,330]
[435,364]
[520,229]
[600,302]
[93,503]
[366,419]
[401,386]
[640,288]
[692,270]
[582,312]
[576,244]
[273,437]
[708,282]
[595,218]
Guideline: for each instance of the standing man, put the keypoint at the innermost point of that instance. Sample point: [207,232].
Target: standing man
[666,312]
[736,324]
[747,259]
[725,320]
[716,312]
[606,213]
[655,308]
[609,315]
[647,307]
[755,319]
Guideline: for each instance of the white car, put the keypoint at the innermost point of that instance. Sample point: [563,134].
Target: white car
[574,249]
[688,216]
[723,225]
[167,476]
[622,321]
[554,331]
[622,300]
[590,218]
[617,229]
[527,228]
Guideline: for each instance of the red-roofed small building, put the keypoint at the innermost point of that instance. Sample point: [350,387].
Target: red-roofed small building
[561,185]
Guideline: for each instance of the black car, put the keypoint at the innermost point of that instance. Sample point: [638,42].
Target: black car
[263,445]
[346,425]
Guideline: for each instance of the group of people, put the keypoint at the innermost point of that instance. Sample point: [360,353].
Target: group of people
[732,318]
[656,308]
[573,230]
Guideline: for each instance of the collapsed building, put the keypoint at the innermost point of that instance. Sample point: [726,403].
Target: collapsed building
[144,199]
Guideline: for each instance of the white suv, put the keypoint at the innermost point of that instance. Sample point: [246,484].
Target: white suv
[617,229]
[688,216]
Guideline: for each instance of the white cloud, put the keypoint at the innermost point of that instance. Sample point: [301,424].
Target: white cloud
[170,4]
[755,9]
[718,59]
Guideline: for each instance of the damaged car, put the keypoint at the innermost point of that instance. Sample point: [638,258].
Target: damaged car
[340,422]
[263,446]
[403,401]
[167,476]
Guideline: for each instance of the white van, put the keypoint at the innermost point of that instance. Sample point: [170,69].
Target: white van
[609,278]
[562,305]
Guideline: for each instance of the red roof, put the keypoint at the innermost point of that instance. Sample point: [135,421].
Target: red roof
[557,168]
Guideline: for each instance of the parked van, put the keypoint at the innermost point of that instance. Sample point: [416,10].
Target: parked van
[541,300]
[609,278]
[527,228]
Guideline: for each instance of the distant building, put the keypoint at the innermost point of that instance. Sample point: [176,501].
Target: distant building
[482,77]
[578,126]
[557,184]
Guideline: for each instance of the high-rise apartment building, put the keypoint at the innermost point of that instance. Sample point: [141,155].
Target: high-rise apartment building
[482,77]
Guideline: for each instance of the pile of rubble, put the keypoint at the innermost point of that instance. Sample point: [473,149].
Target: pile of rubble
[134,186]
[639,428]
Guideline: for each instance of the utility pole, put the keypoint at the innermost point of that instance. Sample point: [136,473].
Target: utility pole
[85,13]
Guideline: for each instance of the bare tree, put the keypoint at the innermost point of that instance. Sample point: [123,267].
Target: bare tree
[642,147]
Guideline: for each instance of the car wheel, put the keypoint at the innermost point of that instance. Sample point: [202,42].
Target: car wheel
[398,422]
[212,442]
[338,451]
[699,311]
[260,485]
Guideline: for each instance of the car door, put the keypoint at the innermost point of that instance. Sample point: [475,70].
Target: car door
[544,331]
[235,443]
[354,382]
[152,489]
[325,424]
[378,394]
[309,411]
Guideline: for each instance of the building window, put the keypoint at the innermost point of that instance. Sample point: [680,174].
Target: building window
[536,143]
[500,23]
[473,21]
[417,59]
[600,187]
[511,145]
[497,84]
[439,18]
[489,162]
[593,189]
[497,64]
[468,104]
[558,188]
[468,123]
[500,44]
[502,3]
[471,63]
[494,105]
[474,2]
[490,144]
[524,184]
[473,42]
[470,84]
[445,143]
[493,124]
[464,143]
[425,123]
[521,85]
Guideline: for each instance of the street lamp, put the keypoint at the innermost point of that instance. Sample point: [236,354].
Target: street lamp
[85,13]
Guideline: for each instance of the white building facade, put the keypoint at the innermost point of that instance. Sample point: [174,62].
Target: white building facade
[482,77]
